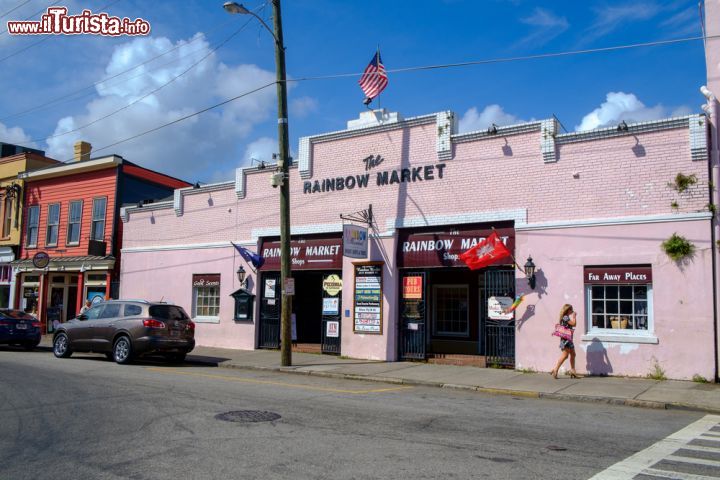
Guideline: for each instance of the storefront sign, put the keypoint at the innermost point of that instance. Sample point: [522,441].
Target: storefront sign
[332,284]
[355,241]
[41,260]
[412,288]
[206,280]
[618,275]
[497,307]
[368,298]
[269,288]
[310,254]
[441,248]
[331,306]
[380,178]
[332,329]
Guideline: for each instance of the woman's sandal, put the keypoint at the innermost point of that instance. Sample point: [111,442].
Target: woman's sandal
[554,374]
[573,374]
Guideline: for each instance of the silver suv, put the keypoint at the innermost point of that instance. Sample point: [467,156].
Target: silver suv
[125,329]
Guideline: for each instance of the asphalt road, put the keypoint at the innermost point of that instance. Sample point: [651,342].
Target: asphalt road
[85,417]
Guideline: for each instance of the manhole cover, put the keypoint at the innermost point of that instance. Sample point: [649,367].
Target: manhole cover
[555,448]
[247,416]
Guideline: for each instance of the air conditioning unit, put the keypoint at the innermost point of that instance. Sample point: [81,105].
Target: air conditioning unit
[97,248]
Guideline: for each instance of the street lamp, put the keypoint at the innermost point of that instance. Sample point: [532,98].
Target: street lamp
[283,167]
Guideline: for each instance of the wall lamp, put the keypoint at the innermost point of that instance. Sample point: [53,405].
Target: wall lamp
[622,127]
[530,272]
[492,130]
[241,276]
[261,163]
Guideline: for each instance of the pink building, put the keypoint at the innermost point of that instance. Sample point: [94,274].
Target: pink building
[591,208]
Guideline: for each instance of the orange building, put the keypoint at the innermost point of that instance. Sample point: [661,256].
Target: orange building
[72,233]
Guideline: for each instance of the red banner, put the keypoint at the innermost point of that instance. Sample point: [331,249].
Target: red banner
[485,253]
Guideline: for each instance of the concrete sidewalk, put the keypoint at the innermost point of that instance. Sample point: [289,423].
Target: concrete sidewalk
[639,392]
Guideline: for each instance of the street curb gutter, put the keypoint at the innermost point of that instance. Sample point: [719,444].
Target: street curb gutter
[628,402]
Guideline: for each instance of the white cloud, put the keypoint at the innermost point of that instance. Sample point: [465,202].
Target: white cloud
[620,106]
[547,26]
[261,149]
[472,120]
[194,149]
[303,106]
[15,135]
[609,18]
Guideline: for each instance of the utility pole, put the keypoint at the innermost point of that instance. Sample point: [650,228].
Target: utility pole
[284,165]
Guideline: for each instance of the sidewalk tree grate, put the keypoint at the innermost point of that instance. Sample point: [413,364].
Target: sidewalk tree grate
[248,416]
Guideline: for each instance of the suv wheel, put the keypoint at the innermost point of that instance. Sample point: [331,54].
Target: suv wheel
[122,350]
[61,346]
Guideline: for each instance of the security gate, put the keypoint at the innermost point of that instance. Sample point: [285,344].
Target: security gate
[331,315]
[413,318]
[270,302]
[499,334]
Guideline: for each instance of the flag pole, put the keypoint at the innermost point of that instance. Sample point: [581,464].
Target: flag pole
[378,73]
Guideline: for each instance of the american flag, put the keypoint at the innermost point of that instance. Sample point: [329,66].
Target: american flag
[374,79]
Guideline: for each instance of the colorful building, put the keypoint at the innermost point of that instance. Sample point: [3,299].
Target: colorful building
[619,222]
[72,235]
[18,160]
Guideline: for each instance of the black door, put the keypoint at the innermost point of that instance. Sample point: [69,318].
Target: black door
[413,316]
[499,334]
[270,299]
[331,315]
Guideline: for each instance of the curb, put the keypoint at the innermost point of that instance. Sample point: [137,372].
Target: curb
[627,402]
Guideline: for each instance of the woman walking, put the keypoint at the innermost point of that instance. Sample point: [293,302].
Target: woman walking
[567,319]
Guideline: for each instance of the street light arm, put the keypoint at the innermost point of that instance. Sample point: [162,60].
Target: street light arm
[266,27]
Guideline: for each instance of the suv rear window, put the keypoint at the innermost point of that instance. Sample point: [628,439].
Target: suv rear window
[168,312]
[132,310]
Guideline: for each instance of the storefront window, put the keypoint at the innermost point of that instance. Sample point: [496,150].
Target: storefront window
[451,310]
[619,298]
[206,296]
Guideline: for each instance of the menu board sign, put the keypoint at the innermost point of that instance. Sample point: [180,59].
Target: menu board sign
[368,298]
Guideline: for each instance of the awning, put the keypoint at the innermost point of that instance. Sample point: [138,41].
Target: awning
[68,264]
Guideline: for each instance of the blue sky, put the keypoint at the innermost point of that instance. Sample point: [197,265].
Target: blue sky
[326,37]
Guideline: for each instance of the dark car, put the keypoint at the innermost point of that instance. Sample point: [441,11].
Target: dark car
[19,328]
[126,329]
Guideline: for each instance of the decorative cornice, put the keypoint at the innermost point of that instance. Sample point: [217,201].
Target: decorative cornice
[191,246]
[178,201]
[126,211]
[446,127]
[698,137]
[506,131]
[633,128]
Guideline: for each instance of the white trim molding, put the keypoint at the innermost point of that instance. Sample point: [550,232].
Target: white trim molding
[598,222]
[519,216]
[610,338]
[446,127]
[298,230]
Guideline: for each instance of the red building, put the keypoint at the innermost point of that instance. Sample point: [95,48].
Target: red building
[70,245]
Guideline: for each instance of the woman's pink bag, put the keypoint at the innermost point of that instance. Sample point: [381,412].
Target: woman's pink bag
[563,332]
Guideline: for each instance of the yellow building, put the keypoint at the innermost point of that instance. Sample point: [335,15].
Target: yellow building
[11,204]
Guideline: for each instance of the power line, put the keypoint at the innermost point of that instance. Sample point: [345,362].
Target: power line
[47,103]
[180,119]
[138,100]
[48,37]
[514,59]
[13,9]
[33,15]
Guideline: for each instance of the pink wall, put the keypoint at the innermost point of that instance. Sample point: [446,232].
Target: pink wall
[167,275]
[682,298]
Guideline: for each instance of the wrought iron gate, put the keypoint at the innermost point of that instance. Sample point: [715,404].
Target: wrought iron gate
[413,316]
[331,320]
[499,334]
[270,301]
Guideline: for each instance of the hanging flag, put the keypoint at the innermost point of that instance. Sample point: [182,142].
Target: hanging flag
[515,304]
[374,79]
[250,257]
[485,253]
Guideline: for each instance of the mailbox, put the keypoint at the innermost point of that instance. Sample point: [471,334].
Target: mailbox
[243,305]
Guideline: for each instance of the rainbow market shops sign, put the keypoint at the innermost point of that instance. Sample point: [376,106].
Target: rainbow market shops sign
[382,178]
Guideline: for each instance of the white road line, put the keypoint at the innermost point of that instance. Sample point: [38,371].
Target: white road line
[700,448]
[675,475]
[697,461]
[644,459]
[715,435]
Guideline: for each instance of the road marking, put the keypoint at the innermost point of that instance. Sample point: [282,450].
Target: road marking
[644,461]
[281,384]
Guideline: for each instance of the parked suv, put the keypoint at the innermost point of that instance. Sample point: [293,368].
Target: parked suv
[125,329]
